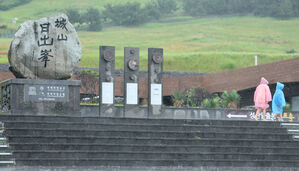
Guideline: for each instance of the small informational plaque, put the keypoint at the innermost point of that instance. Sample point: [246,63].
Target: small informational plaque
[39,93]
[107,93]
[156,94]
[132,93]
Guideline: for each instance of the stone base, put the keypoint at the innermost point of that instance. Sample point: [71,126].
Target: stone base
[31,96]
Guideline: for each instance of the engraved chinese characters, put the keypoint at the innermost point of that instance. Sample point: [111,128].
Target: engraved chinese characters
[47,48]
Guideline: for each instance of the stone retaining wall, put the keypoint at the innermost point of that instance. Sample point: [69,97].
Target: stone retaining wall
[192,113]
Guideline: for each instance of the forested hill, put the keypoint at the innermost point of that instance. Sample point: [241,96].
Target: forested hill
[134,12]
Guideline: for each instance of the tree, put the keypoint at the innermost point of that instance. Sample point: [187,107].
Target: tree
[74,15]
[295,4]
[152,11]
[166,7]
[284,9]
[93,18]
[193,7]
[275,8]
[130,13]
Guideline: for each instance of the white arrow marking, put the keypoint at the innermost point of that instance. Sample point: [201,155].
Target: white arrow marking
[290,124]
[236,116]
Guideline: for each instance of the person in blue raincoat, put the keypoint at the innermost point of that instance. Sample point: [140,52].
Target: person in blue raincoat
[278,101]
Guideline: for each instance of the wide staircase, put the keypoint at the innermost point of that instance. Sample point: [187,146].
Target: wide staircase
[83,141]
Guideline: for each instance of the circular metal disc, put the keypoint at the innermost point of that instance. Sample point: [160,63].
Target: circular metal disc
[108,55]
[157,58]
[133,64]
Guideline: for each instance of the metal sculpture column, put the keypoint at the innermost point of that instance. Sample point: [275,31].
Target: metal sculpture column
[155,71]
[106,89]
[131,70]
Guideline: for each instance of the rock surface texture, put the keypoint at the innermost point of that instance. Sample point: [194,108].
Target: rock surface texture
[48,48]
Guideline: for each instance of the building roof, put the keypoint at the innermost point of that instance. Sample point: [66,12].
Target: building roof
[238,79]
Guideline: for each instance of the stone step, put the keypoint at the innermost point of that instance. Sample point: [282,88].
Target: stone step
[292,129]
[154,162]
[153,148]
[148,140]
[148,127]
[134,120]
[4,156]
[296,137]
[7,162]
[154,155]
[3,140]
[291,124]
[152,134]
[3,146]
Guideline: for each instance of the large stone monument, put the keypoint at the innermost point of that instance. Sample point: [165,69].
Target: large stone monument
[43,53]
[48,48]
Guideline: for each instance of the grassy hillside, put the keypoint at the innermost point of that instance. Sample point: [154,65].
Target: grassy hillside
[191,45]
[201,45]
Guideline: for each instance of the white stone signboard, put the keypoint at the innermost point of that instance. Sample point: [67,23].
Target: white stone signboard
[156,94]
[132,93]
[48,48]
[107,93]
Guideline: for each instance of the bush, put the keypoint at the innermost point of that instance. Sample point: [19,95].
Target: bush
[191,97]
[211,103]
[178,99]
[291,51]
[230,100]
[228,66]
[89,72]
[287,107]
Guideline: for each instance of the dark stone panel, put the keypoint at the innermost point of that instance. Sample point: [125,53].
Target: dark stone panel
[25,100]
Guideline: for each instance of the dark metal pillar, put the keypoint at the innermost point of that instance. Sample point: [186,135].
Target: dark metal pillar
[106,89]
[155,90]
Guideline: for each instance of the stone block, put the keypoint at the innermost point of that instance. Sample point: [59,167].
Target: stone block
[31,96]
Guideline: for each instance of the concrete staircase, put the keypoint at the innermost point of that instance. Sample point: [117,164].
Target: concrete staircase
[293,129]
[82,141]
[6,158]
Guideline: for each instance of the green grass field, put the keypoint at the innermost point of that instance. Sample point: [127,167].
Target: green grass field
[211,44]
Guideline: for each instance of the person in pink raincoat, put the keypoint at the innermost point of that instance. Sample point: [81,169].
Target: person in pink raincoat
[262,96]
